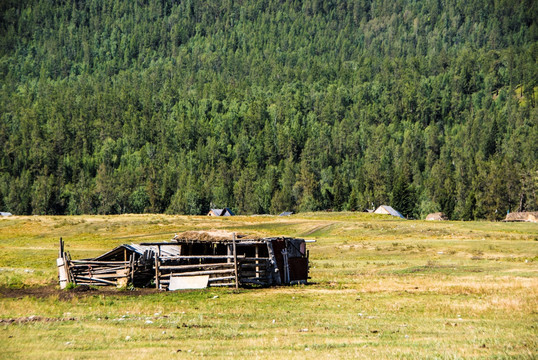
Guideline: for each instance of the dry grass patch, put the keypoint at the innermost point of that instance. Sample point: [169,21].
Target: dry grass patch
[382,288]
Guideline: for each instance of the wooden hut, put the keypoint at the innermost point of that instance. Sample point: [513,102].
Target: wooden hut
[220,212]
[193,262]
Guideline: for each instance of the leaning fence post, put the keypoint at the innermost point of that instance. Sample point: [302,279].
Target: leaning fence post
[67,270]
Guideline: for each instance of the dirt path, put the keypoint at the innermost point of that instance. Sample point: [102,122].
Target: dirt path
[80,291]
[319,228]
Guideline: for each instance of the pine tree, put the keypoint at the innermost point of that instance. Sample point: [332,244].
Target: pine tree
[403,197]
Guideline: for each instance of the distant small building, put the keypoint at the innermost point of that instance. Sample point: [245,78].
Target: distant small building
[437,216]
[529,216]
[220,212]
[388,210]
[5,214]
[286,213]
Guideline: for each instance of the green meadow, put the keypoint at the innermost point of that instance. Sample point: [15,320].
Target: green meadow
[381,288]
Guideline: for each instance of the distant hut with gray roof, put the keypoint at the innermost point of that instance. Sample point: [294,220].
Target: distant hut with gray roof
[286,213]
[388,210]
[220,212]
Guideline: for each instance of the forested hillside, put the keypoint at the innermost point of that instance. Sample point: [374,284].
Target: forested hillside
[126,106]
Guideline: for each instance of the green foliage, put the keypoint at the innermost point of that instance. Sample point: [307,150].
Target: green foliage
[70,286]
[404,197]
[266,106]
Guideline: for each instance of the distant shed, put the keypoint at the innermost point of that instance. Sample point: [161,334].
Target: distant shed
[438,216]
[220,212]
[529,216]
[5,214]
[388,210]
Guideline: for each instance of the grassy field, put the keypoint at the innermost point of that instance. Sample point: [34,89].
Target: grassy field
[381,288]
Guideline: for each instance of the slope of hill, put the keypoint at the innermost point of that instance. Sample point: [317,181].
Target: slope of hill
[264,106]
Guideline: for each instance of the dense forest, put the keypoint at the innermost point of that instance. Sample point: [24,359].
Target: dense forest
[131,106]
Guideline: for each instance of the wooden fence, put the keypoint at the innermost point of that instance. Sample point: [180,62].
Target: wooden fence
[222,270]
[93,272]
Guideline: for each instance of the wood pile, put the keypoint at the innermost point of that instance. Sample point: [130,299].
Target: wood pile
[94,272]
[97,273]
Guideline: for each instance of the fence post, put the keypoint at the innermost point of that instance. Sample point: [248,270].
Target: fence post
[235,263]
[157,275]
